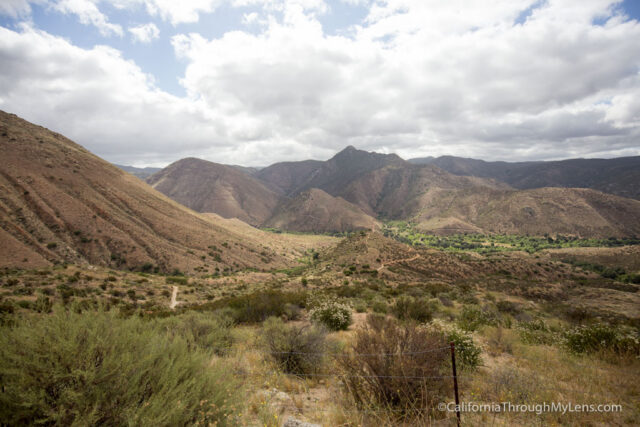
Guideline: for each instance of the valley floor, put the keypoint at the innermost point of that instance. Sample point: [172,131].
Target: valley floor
[554,325]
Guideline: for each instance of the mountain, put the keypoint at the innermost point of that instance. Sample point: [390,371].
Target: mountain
[618,176]
[441,202]
[211,187]
[571,211]
[316,211]
[331,176]
[142,173]
[60,203]
[402,191]
[354,189]
[347,166]
[286,177]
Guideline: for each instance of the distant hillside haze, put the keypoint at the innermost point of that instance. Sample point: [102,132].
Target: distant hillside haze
[620,176]
[356,189]
[141,173]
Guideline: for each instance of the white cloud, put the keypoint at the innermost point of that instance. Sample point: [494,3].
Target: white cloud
[145,33]
[15,8]
[88,14]
[419,77]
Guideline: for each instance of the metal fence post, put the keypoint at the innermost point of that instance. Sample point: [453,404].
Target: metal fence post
[455,380]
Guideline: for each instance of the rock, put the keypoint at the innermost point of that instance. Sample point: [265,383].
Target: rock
[292,422]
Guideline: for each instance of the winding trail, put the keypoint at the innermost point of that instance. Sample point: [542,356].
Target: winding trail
[174,298]
[396,261]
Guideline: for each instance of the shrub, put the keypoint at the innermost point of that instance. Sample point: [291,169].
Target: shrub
[200,330]
[467,352]
[42,304]
[334,315]
[259,306]
[97,368]
[295,349]
[536,332]
[509,307]
[602,337]
[472,317]
[178,280]
[395,366]
[409,308]
[379,307]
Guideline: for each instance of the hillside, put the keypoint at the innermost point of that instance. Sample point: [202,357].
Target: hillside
[286,177]
[318,212]
[60,203]
[615,176]
[578,212]
[211,187]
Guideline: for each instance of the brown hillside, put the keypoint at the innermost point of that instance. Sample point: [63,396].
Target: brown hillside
[444,203]
[318,212]
[286,177]
[60,203]
[579,212]
[211,187]
[347,166]
[402,191]
[619,176]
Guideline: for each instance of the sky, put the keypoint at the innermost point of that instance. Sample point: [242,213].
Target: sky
[254,82]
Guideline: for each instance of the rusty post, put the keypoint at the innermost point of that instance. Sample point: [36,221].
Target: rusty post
[455,380]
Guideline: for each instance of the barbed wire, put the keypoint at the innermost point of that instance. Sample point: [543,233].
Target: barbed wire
[347,353]
[248,374]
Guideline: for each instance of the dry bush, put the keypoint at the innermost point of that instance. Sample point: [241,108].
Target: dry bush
[396,366]
[295,349]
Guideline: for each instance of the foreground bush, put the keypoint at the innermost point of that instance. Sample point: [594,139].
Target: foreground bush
[200,330]
[332,314]
[96,368]
[295,349]
[402,367]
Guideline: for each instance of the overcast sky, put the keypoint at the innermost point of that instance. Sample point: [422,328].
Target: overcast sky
[253,82]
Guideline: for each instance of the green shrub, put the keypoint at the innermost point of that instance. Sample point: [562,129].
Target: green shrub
[295,349]
[396,366]
[178,280]
[380,307]
[360,306]
[508,307]
[257,307]
[208,331]
[334,315]
[100,369]
[467,352]
[409,308]
[472,317]
[42,304]
[536,332]
[602,337]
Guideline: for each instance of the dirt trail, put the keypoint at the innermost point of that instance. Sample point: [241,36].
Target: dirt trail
[174,298]
[413,258]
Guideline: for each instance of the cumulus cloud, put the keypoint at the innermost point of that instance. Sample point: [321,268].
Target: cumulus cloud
[145,33]
[506,79]
[88,14]
[15,8]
